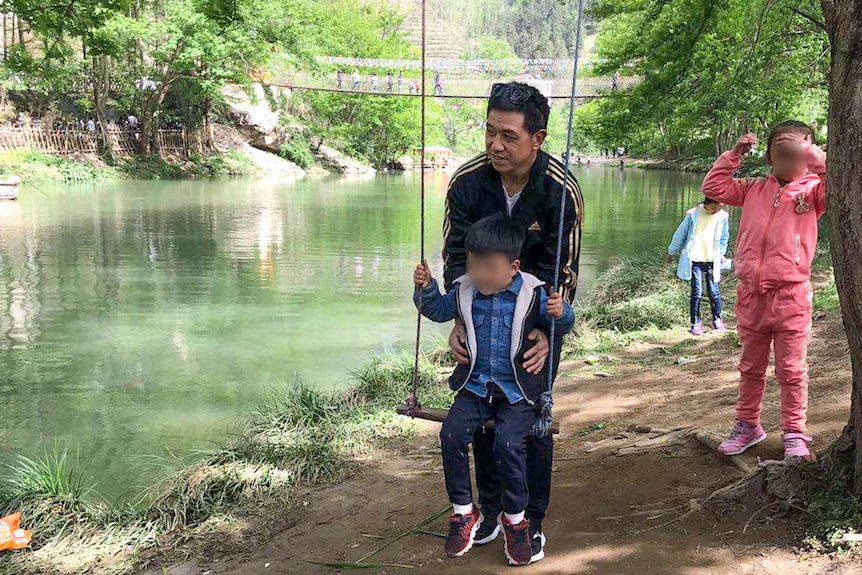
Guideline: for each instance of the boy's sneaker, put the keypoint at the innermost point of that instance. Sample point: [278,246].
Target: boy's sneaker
[796,444]
[537,543]
[462,532]
[516,541]
[488,530]
[743,436]
[718,325]
[697,329]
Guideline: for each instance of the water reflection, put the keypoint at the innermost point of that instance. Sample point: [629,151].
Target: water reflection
[140,319]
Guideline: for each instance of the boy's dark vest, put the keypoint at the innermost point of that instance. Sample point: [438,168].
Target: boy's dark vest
[527,317]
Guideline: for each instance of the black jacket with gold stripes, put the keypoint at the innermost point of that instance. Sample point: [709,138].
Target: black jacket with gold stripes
[475,192]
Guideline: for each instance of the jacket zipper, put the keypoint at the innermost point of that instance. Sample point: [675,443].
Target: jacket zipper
[766,237]
[515,369]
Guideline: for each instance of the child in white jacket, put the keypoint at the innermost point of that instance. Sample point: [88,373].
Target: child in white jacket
[701,242]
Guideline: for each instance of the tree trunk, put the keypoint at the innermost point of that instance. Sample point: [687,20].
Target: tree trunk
[208,126]
[844,176]
[101,85]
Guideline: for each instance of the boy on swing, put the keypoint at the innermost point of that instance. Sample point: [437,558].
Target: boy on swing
[498,305]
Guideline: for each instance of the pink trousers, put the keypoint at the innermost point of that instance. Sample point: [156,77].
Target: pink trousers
[781,317]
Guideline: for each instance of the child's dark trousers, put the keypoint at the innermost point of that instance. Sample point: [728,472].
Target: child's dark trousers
[512,422]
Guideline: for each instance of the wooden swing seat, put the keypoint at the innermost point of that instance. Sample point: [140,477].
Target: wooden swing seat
[439,415]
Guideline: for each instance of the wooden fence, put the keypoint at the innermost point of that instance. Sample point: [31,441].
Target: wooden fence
[70,141]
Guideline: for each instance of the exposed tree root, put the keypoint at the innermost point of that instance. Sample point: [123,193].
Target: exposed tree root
[784,485]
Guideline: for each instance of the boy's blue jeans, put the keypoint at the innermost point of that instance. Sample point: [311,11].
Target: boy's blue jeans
[701,271]
[512,422]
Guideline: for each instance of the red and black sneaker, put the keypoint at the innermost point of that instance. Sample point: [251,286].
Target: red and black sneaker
[516,541]
[462,533]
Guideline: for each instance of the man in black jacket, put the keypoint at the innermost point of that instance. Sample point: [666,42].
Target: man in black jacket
[515,176]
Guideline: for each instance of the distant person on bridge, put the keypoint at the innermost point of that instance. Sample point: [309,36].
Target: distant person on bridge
[340,78]
[514,176]
[390,81]
[375,83]
[357,80]
[401,81]
[438,84]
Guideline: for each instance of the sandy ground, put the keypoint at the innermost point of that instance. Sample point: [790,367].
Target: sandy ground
[609,513]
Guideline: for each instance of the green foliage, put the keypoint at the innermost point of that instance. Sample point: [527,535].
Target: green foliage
[36,167]
[489,48]
[710,71]
[377,128]
[826,297]
[833,513]
[298,151]
[230,163]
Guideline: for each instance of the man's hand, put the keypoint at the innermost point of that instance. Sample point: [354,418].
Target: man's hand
[458,343]
[555,305]
[745,143]
[668,259]
[536,356]
[422,276]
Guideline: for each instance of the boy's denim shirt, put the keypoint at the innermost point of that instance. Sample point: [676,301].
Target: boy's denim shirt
[492,318]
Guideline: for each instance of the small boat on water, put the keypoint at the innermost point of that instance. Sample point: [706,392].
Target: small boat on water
[9,188]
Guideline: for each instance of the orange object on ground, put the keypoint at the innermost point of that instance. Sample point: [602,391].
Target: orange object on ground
[11,534]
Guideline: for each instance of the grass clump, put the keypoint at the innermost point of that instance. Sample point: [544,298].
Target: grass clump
[833,513]
[638,299]
[298,436]
[637,293]
[34,166]
[74,530]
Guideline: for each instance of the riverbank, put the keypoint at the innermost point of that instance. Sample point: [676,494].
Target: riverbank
[298,437]
[233,156]
[36,167]
[751,167]
[235,499]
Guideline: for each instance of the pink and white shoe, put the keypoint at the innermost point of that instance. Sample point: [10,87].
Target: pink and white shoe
[743,436]
[697,329]
[796,444]
[718,325]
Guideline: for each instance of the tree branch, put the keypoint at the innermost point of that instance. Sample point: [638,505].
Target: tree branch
[819,23]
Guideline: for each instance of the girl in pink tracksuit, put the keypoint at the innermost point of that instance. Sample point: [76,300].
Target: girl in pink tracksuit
[774,249]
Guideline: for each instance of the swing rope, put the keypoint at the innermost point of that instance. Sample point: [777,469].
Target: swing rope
[545,418]
[543,423]
[413,401]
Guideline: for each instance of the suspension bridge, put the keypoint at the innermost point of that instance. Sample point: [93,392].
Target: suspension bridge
[446,78]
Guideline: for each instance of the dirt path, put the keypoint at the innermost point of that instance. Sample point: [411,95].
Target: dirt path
[606,510]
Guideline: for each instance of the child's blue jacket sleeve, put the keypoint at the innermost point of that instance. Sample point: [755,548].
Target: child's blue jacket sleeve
[725,236]
[565,323]
[436,306]
[679,237]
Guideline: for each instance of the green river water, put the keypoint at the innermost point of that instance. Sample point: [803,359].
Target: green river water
[138,320]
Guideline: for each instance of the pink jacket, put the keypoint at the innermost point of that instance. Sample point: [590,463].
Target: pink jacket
[775,246]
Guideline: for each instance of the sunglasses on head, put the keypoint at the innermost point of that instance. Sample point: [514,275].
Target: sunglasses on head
[518,95]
